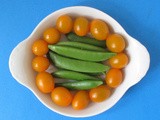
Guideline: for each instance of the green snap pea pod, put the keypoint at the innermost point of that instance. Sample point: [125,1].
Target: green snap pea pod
[77,65]
[81,85]
[97,74]
[73,37]
[72,75]
[81,46]
[80,54]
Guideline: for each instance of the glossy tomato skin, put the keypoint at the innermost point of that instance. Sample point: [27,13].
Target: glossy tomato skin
[119,61]
[80,100]
[81,26]
[64,24]
[61,96]
[45,82]
[100,93]
[114,78]
[51,35]
[115,43]
[99,29]
[40,47]
[40,63]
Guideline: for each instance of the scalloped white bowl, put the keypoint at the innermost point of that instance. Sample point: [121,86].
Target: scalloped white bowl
[21,59]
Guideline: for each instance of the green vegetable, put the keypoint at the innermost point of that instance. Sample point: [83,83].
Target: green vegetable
[97,74]
[81,85]
[73,37]
[81,54]
[77,65]
[81,46]
[72,75]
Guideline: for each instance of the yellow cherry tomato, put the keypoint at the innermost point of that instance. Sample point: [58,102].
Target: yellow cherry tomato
[61,96]
[99,29]
[40,47]
[45,82]
[99,93]
[40,64]
[119,61]
[81,26]
[80,100]
[114,78]
[115,43]
[64,24]
[51,35]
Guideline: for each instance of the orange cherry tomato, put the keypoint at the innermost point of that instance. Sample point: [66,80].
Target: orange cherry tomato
[115,43]
[45,82]
[100,93]
[64,24]
[99,29]
[51,35]
[114,78]
[80,100]
[119,61]
[81,26]
[40,64]
[40,47]
[61,96]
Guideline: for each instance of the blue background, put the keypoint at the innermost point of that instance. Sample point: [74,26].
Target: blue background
[141,19]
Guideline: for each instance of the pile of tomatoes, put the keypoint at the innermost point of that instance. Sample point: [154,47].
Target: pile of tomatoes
[81,26]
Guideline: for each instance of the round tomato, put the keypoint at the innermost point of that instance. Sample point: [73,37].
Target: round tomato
[114,78]
[61,96]
[99,93]
[40,64]
[81,26]
[64,24]
[51,35]
[115,43]
[45,82]
[99,29]
[40,47]
[80,100]
[119,61]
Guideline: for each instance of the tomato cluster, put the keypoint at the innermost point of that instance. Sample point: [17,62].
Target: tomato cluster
[81,26]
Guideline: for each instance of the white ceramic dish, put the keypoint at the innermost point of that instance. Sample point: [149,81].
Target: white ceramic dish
[21,59]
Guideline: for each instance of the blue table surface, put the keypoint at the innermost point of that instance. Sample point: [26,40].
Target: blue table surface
[141,19]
